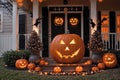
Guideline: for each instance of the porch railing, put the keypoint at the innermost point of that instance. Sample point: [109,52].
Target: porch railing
[110,40]
[5,43]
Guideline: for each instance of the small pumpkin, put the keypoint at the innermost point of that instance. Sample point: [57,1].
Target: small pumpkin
[57,69]
[79,69]
[88,62]
[95,68]
[37,69]
[110,60]
[67,48]
[31,66]
[46,63]
[101,65]
[21,63]
[42,62]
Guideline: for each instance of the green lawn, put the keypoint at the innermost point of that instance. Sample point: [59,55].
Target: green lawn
[12,74]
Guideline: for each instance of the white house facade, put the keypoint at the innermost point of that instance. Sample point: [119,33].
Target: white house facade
[16,24]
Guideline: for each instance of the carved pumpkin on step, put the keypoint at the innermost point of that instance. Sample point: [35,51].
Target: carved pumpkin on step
[67,48]
[21,63]
[110,60]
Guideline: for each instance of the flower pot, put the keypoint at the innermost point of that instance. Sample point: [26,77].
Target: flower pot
[34,58]
[96,58]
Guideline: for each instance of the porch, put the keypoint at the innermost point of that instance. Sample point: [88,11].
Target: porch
[110,40]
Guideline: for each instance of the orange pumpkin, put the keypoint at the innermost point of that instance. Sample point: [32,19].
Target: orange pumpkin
[79,69]
[101,65]
[21,63]
[42,62]
[88,62]
[46,63]
[31,66]
[67,48]
[95,68]
[57,69]
[110,60]
[37,69]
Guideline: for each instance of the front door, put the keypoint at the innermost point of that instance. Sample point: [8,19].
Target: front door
[66,19]
[65,23]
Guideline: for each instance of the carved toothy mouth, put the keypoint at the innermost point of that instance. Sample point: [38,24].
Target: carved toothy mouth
[110,62]
[68,56]
[23,66]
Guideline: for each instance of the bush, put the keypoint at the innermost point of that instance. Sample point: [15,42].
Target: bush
[10,57]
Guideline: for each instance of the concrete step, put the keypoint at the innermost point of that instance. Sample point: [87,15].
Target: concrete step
[65,67]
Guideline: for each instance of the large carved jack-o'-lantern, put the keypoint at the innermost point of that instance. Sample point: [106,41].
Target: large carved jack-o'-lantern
[67,48]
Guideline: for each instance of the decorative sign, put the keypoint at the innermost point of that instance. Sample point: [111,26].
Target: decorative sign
[58,21]
[73,21]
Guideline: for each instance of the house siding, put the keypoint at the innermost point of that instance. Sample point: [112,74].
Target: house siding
[6,34]
[7,21]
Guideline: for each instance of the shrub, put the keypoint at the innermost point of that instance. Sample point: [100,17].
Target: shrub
[10,57]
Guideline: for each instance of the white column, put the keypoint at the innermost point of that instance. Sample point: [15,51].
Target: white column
[35,14]
[93,13]
[15,27]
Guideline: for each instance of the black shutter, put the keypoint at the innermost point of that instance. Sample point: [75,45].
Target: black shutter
[112,28]
[22,25]
[112,22]
[99,19]
[86,29]
[45,32]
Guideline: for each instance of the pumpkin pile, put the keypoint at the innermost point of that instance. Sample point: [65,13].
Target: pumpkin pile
[25,64]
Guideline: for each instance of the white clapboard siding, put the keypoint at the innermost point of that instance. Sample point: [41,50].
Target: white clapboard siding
[5,43]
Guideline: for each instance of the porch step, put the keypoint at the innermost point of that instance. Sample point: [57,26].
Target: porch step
[65,67]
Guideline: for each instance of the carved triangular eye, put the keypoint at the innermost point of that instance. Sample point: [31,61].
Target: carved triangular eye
[73,42]
[62,42]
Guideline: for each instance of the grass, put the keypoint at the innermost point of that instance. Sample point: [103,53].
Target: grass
[13,74]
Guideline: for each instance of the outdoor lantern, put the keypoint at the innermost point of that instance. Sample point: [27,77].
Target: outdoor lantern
[73,21]
[58,21]
[40,1]
[67,48]
[31,0]
[100,0]
[19,1]
[20,4]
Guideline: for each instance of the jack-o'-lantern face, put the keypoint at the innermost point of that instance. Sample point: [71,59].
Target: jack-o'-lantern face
[58,21]
[110,60]
[67,48]
[21,63]
[73,21]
